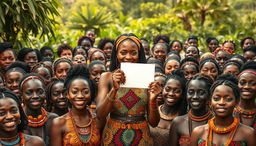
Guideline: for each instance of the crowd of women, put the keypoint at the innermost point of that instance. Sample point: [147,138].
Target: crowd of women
[197,98]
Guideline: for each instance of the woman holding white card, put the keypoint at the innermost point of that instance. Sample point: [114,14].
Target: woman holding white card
[128,111]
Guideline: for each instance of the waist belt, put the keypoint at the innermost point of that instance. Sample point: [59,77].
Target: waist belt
[127,119]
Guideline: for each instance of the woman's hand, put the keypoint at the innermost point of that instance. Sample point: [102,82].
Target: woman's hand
[154,90]
[118,78]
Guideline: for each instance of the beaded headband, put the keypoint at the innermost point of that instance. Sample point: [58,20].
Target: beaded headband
[133,38]
[247,71]
[31,77]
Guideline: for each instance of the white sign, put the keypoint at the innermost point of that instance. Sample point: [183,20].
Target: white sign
[138,75]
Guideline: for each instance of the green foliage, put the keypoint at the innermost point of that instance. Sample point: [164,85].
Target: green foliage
[150,9]
[23,18]
[90,17]
[224,19]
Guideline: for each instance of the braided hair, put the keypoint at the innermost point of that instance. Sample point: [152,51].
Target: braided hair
[179,76]
[208,80]
[41,65]
[6,93]
[227,80]
[49,91]
[58,61]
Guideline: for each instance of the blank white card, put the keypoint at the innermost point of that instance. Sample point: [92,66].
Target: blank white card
[138,75]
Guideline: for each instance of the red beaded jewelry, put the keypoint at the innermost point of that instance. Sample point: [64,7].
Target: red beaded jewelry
[39,121]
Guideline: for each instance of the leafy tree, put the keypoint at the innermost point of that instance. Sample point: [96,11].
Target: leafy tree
[199,10]
[90,17]
[20,19]
[151,9]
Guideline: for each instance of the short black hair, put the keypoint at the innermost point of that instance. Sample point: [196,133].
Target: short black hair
[63,47]
[209,39]
[84,38]
[104,41]
[6,46]
[177,42]
[192,37]
[79,47]
[246,38]
[24,51]
[163,37]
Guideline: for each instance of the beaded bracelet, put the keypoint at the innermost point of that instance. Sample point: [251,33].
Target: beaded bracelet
[153,104]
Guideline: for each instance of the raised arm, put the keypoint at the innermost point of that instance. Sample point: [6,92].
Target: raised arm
[108,85]
[153,114]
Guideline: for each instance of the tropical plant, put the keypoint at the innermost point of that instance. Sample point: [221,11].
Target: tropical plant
[199,10]
[20,19]
[90,17]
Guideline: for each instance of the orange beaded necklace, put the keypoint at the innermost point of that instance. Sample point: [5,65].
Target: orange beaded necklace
[39,121]
[212,128]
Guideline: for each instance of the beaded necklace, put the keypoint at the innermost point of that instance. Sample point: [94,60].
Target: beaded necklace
[39,121]
[20,139]
[230,129]
[165,117]
[83,131]
[192,117]
[248,114]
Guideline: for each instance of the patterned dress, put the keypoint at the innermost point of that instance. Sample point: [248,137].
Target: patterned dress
[90,135]
[132,102]
[202,142]
[160,136]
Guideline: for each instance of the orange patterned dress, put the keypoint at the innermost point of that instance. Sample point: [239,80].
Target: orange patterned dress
[88,135]
[131,102]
